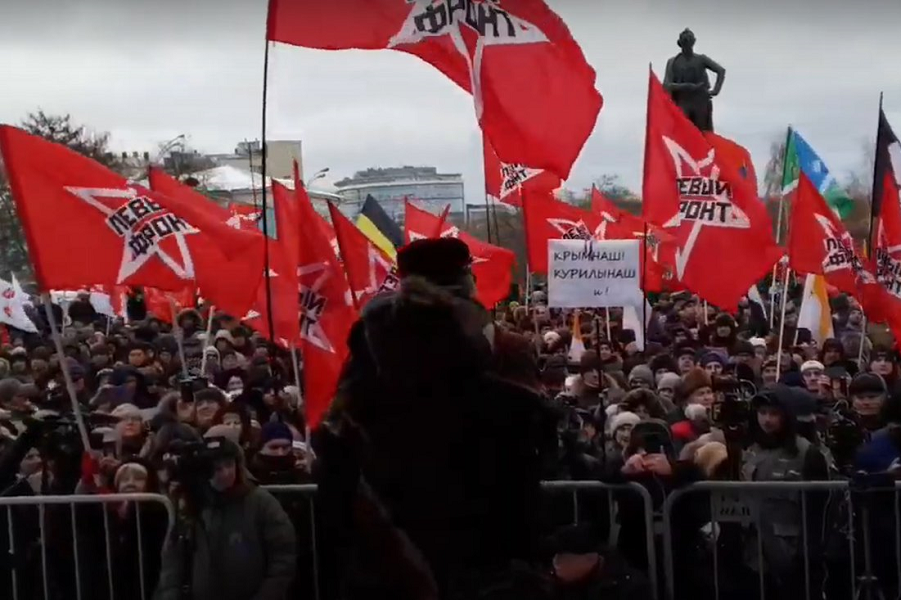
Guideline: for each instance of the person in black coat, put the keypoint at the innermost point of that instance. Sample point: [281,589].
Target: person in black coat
[428,464]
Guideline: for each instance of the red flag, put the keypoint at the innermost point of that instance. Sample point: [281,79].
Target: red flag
[617,224]
[369,270]
[549,219]
[492,266]
[505,182]
[244,216]
[87,225]
[326,311]
[734,153]
[819,244]
[164,305]
[705,204]
[533,89]
[283,287]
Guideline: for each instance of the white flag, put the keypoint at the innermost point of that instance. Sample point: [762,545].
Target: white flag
[20,293]
[815,314]
[632,321]
[12,309]
[103,304]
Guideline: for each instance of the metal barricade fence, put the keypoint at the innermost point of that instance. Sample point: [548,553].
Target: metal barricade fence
[773,549]
[19,573]
[613,494]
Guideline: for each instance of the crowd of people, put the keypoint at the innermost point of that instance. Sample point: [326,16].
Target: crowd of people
[446,419]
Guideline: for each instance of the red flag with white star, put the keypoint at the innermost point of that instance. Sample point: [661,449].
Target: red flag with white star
[706,205]
[549,219]
[533,89]
[505,182]
[492,266]
[87,225]
[369,270]
[617,224]
[327,313]
[819,244]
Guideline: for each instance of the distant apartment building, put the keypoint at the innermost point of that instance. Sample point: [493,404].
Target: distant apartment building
[390,186]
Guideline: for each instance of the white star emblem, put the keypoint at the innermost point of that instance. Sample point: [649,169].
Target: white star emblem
[486,20]
[704,200]
[313,304]
[513,177]
[143,225]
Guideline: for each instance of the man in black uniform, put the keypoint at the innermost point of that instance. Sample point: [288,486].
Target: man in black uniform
[428,465]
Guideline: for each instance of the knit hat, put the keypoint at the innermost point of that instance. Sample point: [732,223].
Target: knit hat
[712,357]
[695,412]
[812,364]
[669,380]
[551,337]
[710,456]
[694,380]
[685,350]
[624,418]
[275,430]
[642,373]
[866,383]
[224,334]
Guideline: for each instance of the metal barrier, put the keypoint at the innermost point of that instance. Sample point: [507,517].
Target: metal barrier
[629,488]
[42,502]
[762,505]
[574,487]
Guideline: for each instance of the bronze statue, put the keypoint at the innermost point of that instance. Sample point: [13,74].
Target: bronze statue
[687,82]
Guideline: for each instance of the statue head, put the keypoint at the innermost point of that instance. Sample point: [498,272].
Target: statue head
[687,39]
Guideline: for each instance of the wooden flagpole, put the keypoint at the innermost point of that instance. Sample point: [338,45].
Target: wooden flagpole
[782,323]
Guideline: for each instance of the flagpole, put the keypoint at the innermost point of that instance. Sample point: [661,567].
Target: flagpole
[644,297]
[67,377]
[270,322]
[179,339]
[253,187]
[782,323]
[874,192]
[788,137]
[607,317]
[863,339]
[487,203]
[206,341]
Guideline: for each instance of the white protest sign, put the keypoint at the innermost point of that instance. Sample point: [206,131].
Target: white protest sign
[594,273]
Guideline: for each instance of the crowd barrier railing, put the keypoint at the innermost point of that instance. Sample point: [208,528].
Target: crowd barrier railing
[757,510]
[44,504]
[554,487]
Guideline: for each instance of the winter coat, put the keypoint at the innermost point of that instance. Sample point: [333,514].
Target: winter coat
[244,549]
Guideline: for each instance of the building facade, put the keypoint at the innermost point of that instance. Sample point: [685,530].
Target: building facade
[391,186]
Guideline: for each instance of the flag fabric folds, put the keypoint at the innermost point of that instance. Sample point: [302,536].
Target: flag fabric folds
[549,219]
[702,200]
[800,157]
[379,227]
[87,225]
[369,270]
[815,314]
[533,89]
[505,182]
[327,313]
[12,308]
[577,345]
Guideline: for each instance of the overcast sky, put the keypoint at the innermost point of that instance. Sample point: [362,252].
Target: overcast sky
[148,71]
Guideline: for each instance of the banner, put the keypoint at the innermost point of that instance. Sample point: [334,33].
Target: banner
[594,273]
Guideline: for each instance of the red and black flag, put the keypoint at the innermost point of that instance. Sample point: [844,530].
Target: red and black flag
[885,219]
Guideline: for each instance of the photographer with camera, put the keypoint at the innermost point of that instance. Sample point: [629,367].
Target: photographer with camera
[231,527]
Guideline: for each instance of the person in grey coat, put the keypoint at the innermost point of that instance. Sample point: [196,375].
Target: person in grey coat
[244,546]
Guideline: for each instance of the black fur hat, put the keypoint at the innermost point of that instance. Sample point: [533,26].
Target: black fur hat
[443,261]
